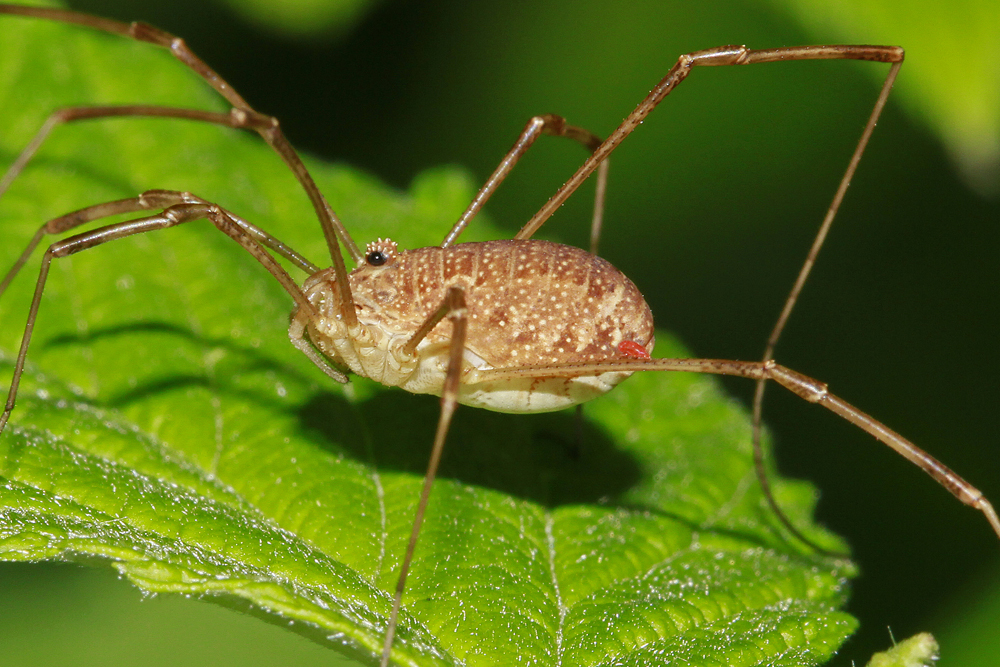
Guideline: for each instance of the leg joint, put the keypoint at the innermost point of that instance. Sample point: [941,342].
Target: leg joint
[801,385]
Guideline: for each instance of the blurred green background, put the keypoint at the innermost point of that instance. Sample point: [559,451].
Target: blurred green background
[712,205]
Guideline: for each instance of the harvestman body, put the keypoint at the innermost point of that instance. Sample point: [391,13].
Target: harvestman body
[534,326]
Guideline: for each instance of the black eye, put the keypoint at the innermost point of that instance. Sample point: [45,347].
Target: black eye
[376,258]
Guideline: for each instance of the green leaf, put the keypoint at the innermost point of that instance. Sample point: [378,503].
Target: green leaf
[968,622]
[304,18]
[167,429]
[917,651]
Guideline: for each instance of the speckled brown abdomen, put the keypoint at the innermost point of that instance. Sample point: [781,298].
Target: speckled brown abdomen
[529,302]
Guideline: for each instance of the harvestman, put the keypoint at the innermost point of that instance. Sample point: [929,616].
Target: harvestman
[568,327]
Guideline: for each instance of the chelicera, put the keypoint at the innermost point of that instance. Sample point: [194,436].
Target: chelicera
[533,326]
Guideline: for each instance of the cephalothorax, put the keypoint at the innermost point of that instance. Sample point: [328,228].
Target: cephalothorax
[533,326]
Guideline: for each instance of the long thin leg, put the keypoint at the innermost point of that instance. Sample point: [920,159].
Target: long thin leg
[266,126]
[147,201]
[545,124]
[69,221]
[739,55]
[234,119]
[805,387]
[172,216]
[786,311]
[719,56]
[453,308]
[71,114]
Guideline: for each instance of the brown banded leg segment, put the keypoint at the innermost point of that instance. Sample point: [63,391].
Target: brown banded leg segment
[717,57]
[59,117]
[740,55]
[235,118]
[454,309]
[147,201]
[176,214]
[544,124]
[66,222]
[806,387]
[266,126]
[793,296]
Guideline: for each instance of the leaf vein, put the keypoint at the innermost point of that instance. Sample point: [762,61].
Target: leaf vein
[551,543]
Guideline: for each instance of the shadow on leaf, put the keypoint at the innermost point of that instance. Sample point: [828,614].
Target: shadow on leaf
[534,457]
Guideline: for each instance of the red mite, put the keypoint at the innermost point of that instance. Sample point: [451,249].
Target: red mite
[632,350]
